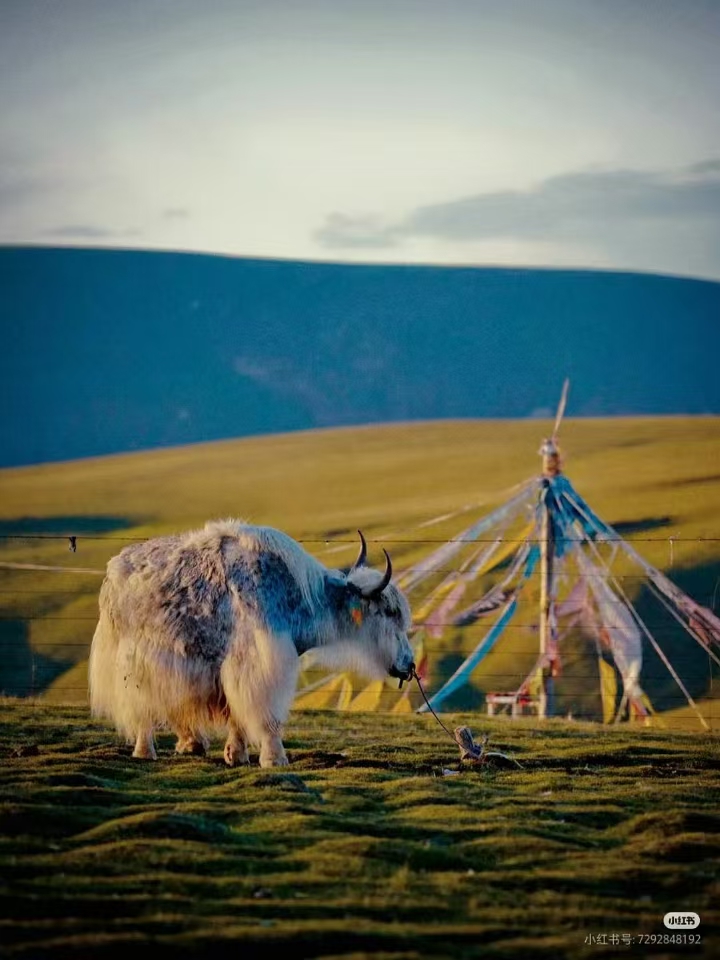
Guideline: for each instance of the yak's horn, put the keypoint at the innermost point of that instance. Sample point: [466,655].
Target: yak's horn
[376,591]
[362,556]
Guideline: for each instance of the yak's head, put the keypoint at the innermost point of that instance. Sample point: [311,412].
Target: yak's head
[374,620]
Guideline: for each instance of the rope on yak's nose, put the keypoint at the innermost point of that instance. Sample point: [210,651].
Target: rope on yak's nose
[420,686]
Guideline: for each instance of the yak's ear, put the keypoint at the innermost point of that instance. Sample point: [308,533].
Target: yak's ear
[347,597]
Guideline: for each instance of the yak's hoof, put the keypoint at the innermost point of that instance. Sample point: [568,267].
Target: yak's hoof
[196,748]
[145,754]
[281,761]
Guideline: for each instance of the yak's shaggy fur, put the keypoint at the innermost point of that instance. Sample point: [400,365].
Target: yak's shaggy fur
[205,630]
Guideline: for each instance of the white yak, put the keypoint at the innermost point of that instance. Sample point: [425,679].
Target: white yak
[206,629]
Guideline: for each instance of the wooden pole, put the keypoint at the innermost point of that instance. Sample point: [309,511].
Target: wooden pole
[551,469]
[547,554]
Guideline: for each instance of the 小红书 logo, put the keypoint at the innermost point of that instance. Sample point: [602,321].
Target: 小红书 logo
[681,920]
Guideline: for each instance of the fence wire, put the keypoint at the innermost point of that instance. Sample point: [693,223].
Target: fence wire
[46,659]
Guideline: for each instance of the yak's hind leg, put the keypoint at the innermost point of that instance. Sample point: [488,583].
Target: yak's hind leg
[192,743]
[145,745]
[236,751]
[259,681]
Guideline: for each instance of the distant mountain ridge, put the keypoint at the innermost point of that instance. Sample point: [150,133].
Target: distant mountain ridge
[110,350]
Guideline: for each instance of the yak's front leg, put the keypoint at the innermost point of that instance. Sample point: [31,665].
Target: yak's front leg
[236,751]
[272,751]
[259,682]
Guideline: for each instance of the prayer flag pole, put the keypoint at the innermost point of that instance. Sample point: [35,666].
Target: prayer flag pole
[548,640]
[547,556]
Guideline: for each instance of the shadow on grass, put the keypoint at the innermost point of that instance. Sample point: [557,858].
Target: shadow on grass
[626,528]
[690,481]
[65,525]
[687,657]
[23,671]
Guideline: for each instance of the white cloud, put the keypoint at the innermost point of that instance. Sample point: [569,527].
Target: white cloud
[262,118]
[622,218]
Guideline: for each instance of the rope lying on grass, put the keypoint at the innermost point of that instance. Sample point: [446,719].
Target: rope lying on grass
[469,750]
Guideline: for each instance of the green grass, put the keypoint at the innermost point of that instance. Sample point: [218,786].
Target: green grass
[655,478]
[362,847]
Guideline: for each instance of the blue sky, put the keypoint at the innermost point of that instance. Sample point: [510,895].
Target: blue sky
[539,132]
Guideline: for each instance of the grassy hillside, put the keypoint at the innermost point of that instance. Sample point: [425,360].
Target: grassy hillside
[654,479]
[115,350]
[364,847]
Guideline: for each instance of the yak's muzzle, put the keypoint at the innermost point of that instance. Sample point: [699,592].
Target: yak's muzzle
[402,674]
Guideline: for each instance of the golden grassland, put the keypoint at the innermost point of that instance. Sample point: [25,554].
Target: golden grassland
[657,479]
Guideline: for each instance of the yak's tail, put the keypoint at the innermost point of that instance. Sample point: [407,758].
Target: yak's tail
[102,669]
[111,696]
